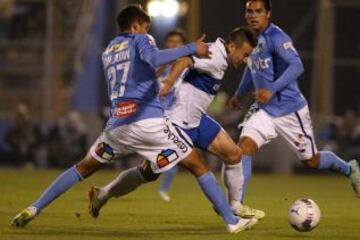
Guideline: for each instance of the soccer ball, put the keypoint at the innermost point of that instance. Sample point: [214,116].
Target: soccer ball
[304,215]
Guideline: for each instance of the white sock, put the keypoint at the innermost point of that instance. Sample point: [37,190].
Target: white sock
[126,182]
[235,205]
[233,178]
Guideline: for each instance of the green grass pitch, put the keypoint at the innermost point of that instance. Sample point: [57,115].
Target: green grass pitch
[143,215]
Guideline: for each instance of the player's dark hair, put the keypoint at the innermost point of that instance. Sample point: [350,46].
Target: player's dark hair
[243,34]
[131,14]
[177,32]
[267,3]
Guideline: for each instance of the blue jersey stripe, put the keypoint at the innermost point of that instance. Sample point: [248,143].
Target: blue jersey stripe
[203,82]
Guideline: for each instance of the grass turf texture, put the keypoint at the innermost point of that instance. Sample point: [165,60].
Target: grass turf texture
[143,215]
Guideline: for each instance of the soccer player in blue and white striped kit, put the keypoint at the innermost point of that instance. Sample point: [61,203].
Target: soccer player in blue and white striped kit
[137,123]
[273,69]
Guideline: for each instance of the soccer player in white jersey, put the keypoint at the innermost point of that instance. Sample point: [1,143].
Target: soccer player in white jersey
[192,99]
[136,122]
[173,39]
[280,109]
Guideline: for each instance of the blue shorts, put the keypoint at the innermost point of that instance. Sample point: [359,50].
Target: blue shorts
[203,135]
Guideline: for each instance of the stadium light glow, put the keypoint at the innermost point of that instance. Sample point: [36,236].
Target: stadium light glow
[163,8]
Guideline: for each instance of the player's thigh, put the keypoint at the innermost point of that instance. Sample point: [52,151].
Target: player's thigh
[259,127]
[106,149]
[225,148]
[296,128]
[204,134]
[158,141]
[195,163]
[248,146]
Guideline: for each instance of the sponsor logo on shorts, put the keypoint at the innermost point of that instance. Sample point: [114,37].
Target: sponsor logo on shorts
[126,109]
[165,157]
[104,151]
[175,139]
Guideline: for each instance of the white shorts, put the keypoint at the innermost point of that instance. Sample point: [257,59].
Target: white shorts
[157,140]
[296,128]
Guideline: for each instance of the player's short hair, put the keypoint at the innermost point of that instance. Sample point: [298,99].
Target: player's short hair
[267,3]
[243,34]
[177,32]
[131,14]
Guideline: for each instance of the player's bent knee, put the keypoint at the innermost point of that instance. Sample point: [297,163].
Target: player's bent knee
[234,157]
[87,166]
[313,162]
[248,146]
[147,173]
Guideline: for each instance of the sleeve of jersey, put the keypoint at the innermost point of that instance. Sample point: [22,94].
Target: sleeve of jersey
[154,57]
[215,66]
[285,50]
[245,83]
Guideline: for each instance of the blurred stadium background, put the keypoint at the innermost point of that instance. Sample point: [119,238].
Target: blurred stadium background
[53,99]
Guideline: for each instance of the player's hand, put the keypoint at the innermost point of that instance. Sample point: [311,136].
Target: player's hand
[235,102]
[165,90]
[263,96]
[202,49]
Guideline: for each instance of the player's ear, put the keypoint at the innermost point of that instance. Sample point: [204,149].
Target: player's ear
[231,47]
[268,15]
[135,27]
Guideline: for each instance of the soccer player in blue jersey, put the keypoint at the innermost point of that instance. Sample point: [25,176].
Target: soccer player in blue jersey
[273,70]
[137,123]
[188,110]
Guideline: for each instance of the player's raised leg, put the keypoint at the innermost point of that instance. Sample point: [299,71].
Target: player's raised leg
[63,183]
[297,129]
[144,174]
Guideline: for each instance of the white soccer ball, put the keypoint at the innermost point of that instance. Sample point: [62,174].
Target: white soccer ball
[304,215]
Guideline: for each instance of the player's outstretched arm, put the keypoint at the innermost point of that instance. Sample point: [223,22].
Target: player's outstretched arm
[244,87]
[176,71]
[155,57]
[285,49]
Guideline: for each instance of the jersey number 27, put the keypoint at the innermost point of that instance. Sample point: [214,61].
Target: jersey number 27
[118,75]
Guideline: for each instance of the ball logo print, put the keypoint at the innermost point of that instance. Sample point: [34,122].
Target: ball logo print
[304,215]
[166,157]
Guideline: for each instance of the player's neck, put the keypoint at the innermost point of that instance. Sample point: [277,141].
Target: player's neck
[264,28]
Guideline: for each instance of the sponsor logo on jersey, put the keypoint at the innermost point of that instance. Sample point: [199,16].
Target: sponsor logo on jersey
[175,139]
[104,151]
[289,45]
[259,63]
[117,47]
[121,46]
[165,157]
[126,109]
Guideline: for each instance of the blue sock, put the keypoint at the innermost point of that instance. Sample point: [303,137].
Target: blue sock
[328,160]
[168,178]
[214,193]
[246,161]
[63,183]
